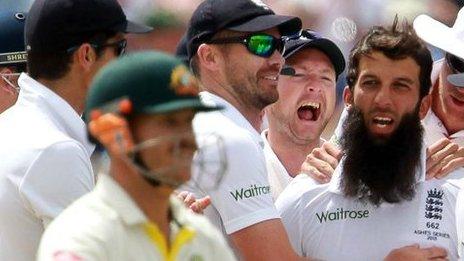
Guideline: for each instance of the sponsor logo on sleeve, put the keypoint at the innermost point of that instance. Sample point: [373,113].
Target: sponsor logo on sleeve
[252,191]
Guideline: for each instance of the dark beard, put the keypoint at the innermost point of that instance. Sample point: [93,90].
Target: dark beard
[384,169]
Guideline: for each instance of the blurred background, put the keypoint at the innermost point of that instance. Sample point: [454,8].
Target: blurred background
[343,21]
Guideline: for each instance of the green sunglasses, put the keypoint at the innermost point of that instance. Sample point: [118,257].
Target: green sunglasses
[262,45]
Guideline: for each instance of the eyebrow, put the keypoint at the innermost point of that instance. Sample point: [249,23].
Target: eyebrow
[405,79]
[401,78]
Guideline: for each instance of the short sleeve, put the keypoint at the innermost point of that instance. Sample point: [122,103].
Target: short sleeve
[58,176]
[243,198]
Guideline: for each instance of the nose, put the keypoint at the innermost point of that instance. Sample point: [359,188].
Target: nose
[312,85]
[383,98]
[276,60]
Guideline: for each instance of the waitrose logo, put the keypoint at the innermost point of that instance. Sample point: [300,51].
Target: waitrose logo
[253,191]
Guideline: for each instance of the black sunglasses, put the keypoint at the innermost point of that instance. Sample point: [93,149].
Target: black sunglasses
[454,63]
[120,47]
[262,45]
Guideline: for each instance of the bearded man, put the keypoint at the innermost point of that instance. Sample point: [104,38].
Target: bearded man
[378,193]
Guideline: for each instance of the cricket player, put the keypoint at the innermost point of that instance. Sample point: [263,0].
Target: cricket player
[378,199]
[12,56]
[45,154]
[140,108]
[306,103]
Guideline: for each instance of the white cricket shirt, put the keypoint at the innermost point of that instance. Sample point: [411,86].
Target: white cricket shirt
[243,198]
[278,175]
[106,224]
[322,223]
[44,166]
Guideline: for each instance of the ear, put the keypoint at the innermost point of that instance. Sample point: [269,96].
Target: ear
[85,57]
[208,57]
[348,96]
[425,106]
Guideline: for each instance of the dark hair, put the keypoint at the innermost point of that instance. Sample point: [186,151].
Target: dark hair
[52,65]
[395,43]
[194,61]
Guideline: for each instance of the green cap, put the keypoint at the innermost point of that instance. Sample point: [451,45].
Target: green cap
[153,82]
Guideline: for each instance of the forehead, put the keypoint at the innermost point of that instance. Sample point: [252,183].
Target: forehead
[378,65]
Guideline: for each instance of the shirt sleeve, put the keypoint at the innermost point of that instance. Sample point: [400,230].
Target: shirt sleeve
[59,175]
[243,197]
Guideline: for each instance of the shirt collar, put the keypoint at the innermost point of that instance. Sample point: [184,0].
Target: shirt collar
[54,106]
[118,199]
[335,182]
[274,160]
[231,113]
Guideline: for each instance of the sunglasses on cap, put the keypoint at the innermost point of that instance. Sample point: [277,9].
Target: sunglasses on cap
[120,47]
[454,63]
[262,45]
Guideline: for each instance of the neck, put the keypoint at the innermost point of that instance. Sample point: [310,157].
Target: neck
[69,89]
[290,154]
[253,115]
[153,201]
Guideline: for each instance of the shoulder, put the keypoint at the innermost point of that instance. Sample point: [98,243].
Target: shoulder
[300,193]
[87,225]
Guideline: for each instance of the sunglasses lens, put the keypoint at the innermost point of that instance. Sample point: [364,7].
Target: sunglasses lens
[262,45]
[456,64]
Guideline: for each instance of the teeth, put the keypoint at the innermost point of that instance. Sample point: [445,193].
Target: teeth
[272,78]
[313,105]
[383,121]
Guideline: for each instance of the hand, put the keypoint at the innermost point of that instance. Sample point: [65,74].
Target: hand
[196,205]
[443,157]
[414,252]
[112,131]
[321,162]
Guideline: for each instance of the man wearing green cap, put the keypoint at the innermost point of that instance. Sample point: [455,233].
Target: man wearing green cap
[147,99]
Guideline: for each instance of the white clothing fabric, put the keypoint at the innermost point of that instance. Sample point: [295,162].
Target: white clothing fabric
[322,223]
[243,198]
[44,166]
[106,224]
[434,130]
[278,175]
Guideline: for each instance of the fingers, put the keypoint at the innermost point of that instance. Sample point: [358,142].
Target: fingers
[451,163]
[439,145]
[439,154]
[323,155]
[200,205]
[314,173]
[332,150]
[435,252]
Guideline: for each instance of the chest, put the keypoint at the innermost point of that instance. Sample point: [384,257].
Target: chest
[363,232]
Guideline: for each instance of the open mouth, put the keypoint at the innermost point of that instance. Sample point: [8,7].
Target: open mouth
[309,111]
[271,77]
[382,122]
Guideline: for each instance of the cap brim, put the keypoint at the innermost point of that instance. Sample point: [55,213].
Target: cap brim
[325,45]
[456,79]
[194,104]
[287,25]
[135,28]
[438,35]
